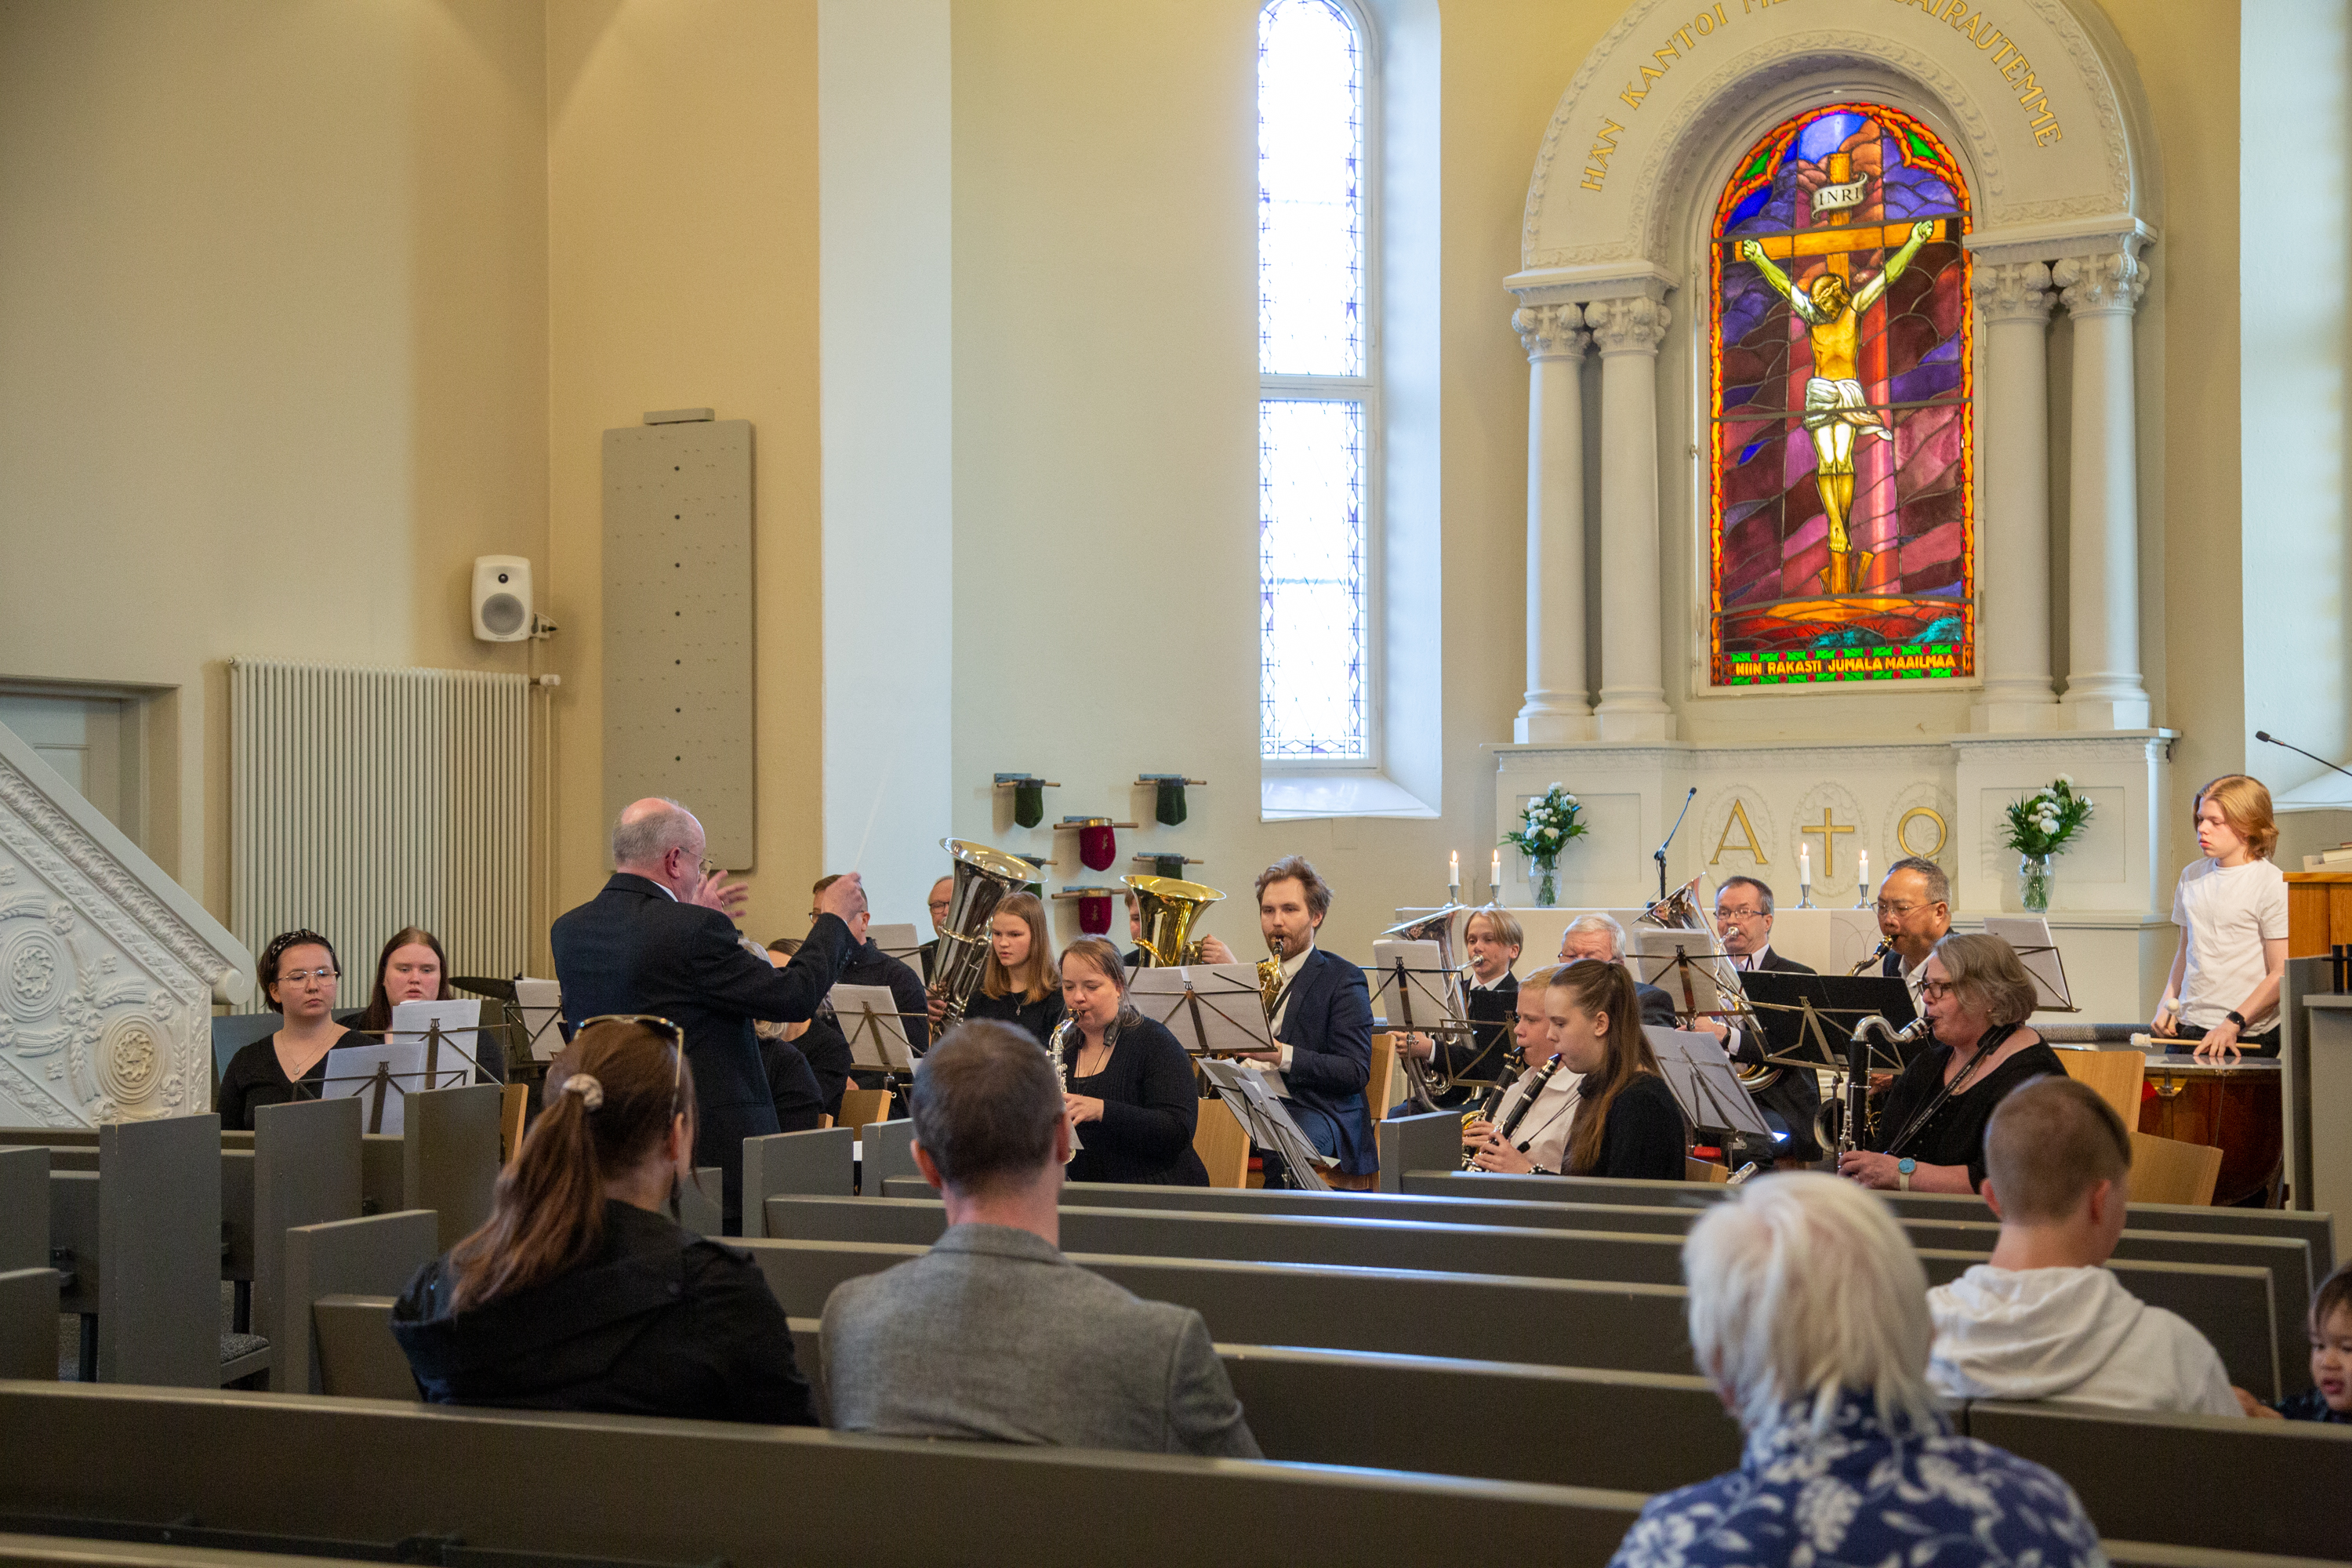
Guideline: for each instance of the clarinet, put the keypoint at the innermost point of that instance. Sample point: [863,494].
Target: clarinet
[1486,1112]
[1527,1101]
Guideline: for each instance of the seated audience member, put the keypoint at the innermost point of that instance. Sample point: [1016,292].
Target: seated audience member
[819,1040]
[2330,1397]
[867,965]
[1627,1124]
[2045,1320]
[1524,1137]
[1931,1136]
[1808,1313]
[580,1292]
[1129,1084]
[412,968]
[1494,939]
[1599,937]
[297,974]
[1018,984]
[994,1335]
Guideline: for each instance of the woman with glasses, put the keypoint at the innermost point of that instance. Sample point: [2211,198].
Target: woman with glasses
[1128,1083]
[297,974]
[579,1291]
[1931,1132]
[1020,983]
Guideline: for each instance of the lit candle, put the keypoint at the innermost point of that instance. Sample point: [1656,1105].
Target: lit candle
[1864,876]
[1805,867]
[1454,868]
[1495,878]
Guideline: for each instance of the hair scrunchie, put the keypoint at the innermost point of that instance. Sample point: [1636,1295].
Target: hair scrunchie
[590,1093]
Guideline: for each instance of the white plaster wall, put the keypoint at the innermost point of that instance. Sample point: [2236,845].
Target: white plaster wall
[885,185]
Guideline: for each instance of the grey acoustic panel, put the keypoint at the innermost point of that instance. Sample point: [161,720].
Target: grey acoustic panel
[678,624]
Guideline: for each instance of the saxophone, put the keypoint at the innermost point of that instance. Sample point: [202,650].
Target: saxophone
[1057,1044]
[1270,977]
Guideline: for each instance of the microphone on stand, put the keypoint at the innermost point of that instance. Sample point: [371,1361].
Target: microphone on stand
[2267,737]
[1661,855]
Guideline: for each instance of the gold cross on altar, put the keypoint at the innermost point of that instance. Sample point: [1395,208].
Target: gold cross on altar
[1828,830]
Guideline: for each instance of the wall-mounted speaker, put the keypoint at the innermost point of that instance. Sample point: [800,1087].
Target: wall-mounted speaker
[502,609]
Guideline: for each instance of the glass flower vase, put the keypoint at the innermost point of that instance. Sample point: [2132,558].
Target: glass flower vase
[1547,886]
[2033,883]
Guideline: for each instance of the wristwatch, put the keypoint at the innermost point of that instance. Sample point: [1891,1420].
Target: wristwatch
[1903,1169]
[2236,1018]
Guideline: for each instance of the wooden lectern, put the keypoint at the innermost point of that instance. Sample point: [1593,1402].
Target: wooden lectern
[2318,912]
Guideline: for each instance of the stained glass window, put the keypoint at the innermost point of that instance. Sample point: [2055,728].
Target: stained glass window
[1843,514]
[1315,389]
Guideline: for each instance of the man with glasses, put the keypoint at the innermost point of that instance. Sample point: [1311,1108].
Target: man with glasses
[1914,910]
[657,941]
[1743,915]
[869,964]
[943,898]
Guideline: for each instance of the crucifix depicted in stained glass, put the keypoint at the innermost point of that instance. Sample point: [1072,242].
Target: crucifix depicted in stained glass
[1842,510]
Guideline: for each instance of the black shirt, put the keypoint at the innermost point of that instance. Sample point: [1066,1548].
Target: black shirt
[255,1079]
[869,965]
[1643,1138]
[1955,1134]
[657,1322]
[1038,1017]
[1487,1054]
[827,1050]
[1150,1108]
[2309,1405]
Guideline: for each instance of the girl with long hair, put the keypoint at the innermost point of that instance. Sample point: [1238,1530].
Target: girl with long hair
[1627,1124]
[413,968]
[1021,983]
[579,1291]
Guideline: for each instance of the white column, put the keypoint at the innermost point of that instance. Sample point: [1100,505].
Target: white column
[2014,632]
[2103,685]
[1632,684]
[1556,708]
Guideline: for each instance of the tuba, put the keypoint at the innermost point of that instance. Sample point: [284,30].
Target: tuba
[983,878]
[1168,907]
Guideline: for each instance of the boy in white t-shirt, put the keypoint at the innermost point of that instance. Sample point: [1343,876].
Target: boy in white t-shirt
[2231,908]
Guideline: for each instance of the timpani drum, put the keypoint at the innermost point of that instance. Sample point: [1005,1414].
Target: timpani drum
[2235,1107]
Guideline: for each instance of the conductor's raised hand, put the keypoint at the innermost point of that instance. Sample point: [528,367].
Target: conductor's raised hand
[843,897]
[715,891]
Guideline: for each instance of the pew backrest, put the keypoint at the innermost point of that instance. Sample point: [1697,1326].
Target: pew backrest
[2211,1481]
[449,1148]
[159,1245]
[307,1163]
[1358,1205]
[1432,1142]
[1399,1311]
[885,1148]
[28,1322]
[377,1256]
[656,1491]
[822,1163]
[24,1208]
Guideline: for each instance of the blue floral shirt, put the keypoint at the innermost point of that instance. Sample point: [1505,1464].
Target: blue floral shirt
[1863,1495]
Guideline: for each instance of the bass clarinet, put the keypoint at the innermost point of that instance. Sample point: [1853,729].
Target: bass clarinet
[1857,1072]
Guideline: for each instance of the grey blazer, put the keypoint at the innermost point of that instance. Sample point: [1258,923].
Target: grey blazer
[994,1335]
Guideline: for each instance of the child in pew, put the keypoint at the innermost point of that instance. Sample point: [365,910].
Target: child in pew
[2045,1320]
[2330,1397]
[579,1292]
[1808,1312]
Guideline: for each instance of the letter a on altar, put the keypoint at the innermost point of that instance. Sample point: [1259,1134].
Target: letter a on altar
[1738,818]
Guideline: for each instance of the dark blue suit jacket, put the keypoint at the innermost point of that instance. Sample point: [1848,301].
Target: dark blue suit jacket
[634,949]
[1327,1023]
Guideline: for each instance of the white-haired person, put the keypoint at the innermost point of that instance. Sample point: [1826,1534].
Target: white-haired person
[1808,1313]
[1600,936]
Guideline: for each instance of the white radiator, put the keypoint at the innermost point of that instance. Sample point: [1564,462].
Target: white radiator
[361,800]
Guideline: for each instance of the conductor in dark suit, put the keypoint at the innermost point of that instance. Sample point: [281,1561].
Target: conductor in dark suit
[1743,913]
[1323,1020]
[657,940]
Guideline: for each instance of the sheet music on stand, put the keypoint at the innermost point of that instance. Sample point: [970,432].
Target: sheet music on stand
[1705,1083]
[2030,935]
[539,1006]
[1267,1120]
[869,1016]
[1691,967]
[382,1077]
[1409,978]
[1213,1009]
[443,1029]
[899,940]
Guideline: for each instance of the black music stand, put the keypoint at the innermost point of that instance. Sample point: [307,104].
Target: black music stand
[1807,1019]
[1409,966]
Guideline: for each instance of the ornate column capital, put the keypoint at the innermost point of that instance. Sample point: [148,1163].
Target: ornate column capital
[1551,332]
[2107,284]
[2017,292]
[1635,325]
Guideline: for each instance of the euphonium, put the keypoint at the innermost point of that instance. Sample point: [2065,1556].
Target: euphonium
[1168,908]
[983,878]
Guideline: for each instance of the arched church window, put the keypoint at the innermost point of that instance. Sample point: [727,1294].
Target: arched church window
[1318,389]
[1843,521]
